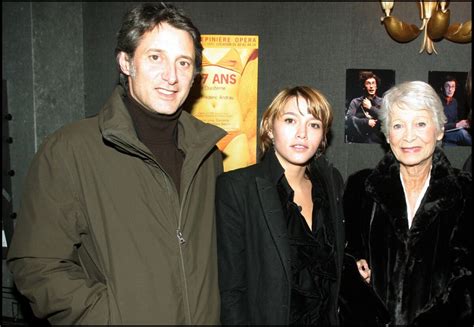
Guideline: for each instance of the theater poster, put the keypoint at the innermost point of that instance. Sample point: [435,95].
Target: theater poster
[228,97]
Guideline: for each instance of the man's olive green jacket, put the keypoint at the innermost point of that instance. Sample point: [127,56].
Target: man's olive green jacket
[103,237]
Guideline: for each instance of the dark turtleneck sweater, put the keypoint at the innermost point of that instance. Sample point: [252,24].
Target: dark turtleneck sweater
[160,134]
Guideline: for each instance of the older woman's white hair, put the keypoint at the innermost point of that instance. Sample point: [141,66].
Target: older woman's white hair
[414,95]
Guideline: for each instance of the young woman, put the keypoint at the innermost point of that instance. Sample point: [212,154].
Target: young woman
[280,222]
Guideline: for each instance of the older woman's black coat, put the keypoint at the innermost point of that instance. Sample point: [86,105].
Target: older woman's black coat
[253,248]
[423,274]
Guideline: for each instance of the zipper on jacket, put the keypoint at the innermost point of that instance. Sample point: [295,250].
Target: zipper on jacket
[181,240]
[179,234]
[180,237]
[186,295]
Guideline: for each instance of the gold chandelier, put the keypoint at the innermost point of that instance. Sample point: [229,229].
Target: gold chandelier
[435,17]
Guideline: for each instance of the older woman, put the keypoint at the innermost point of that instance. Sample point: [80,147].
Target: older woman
[408,221]
[279,222]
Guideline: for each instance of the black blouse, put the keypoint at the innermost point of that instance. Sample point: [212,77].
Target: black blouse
[312,252]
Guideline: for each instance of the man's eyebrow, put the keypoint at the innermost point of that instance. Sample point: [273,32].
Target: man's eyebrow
[161,50]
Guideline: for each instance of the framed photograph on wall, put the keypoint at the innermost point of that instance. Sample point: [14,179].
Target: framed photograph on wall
[452,92]
[364,91]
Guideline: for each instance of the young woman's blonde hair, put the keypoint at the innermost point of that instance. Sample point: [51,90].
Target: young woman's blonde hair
[318,106]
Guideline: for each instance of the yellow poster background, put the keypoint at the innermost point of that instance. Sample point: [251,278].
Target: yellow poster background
[228,98]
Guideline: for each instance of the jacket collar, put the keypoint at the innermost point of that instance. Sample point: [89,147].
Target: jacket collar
[385,187]
[117,127]
[266,183]
[272,169]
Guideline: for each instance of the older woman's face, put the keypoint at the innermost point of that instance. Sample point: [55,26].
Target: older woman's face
[412,136]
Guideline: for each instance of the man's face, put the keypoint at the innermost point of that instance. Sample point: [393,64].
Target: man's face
[449,88]
[161,72]
[370,86]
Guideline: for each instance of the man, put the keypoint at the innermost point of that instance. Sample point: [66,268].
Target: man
[455,131]
[362,124]
[117,222]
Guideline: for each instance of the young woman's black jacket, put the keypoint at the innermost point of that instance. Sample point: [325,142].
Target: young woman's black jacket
[253,247]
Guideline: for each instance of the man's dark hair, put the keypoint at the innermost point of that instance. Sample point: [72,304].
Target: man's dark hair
[450,78]
[145,18]
[365,75]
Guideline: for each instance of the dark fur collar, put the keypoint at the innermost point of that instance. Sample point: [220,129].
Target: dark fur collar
[443,194]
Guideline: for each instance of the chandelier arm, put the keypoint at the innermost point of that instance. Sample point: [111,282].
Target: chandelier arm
[459,33]
[438,24]
[399,30]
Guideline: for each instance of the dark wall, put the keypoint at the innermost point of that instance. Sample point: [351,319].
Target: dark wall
[42,63]
[58,60]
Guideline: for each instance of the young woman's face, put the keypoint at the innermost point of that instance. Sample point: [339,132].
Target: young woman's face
[296,134]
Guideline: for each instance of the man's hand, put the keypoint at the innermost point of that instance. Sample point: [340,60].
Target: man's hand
[364,270]
[463,123]
[366,104]
[372,122]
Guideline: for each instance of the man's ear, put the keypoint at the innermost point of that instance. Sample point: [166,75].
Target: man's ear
[124,63]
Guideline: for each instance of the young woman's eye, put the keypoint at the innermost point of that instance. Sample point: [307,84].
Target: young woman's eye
[154,57]
[289,120]
[315,125]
